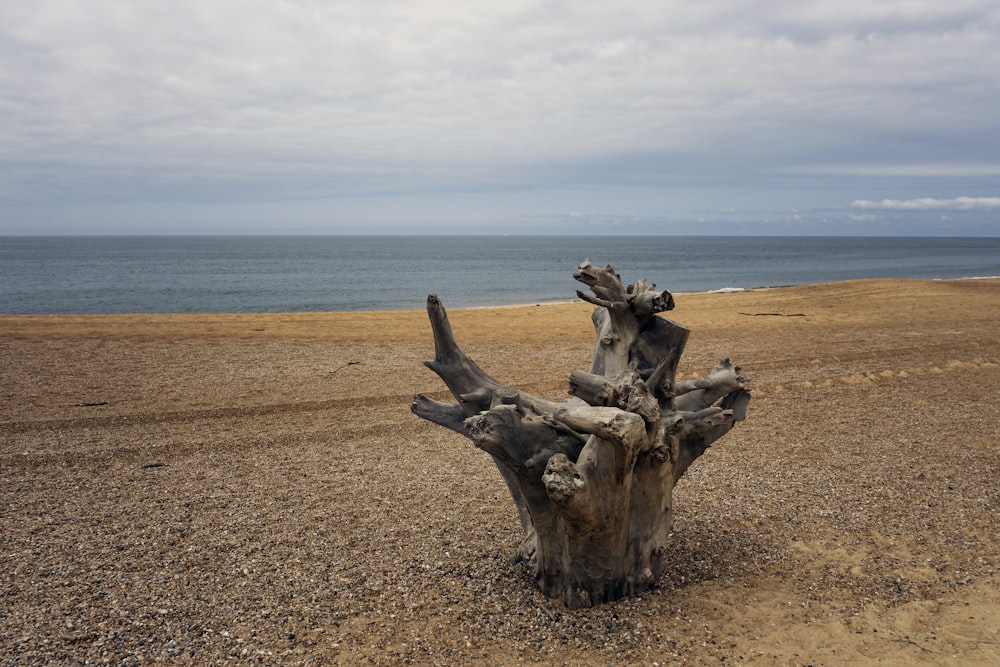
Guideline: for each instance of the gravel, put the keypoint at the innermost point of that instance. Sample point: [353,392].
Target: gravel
[237,501]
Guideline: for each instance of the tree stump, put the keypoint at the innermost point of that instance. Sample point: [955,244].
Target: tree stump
[593,476]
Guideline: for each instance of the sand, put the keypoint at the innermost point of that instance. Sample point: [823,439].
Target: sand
[252,489]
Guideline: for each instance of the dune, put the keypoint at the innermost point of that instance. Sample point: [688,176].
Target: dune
[252,488]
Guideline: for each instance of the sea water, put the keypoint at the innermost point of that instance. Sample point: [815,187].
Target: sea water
[205,274]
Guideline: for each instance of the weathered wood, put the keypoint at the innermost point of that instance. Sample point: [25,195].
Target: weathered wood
[593,476]
[705,391]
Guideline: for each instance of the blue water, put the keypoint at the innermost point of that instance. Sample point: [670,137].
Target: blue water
[277,274]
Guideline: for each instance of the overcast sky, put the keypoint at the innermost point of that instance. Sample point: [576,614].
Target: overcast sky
[716,116]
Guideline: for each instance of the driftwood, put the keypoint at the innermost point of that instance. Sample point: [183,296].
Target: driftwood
[593,476]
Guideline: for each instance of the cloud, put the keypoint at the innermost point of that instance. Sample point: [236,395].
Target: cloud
[252,100]
[931,204]
[940,169]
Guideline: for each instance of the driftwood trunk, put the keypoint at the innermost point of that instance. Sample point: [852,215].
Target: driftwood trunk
[593,476]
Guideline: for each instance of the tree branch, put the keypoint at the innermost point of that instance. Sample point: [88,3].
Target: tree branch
[697,433]
[450,415]
[612,424]
[693,395]
[628,392]
[467,382]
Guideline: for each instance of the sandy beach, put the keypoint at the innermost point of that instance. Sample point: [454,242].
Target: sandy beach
[253,489]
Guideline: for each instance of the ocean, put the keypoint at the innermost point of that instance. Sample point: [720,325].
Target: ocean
[217,274]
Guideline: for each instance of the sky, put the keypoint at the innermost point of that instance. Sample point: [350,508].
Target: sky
[842,117]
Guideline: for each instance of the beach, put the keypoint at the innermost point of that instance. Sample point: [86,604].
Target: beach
[253,489]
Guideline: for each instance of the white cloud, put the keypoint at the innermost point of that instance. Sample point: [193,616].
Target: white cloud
[931,204]
[942,169]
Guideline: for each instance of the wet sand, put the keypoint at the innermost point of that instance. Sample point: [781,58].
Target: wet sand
[253,489]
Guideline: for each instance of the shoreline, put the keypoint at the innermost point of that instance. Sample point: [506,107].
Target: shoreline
[526,304]
[252,487]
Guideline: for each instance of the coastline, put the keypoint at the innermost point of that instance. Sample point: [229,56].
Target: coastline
[404,312]
[207,488]
[293,274]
